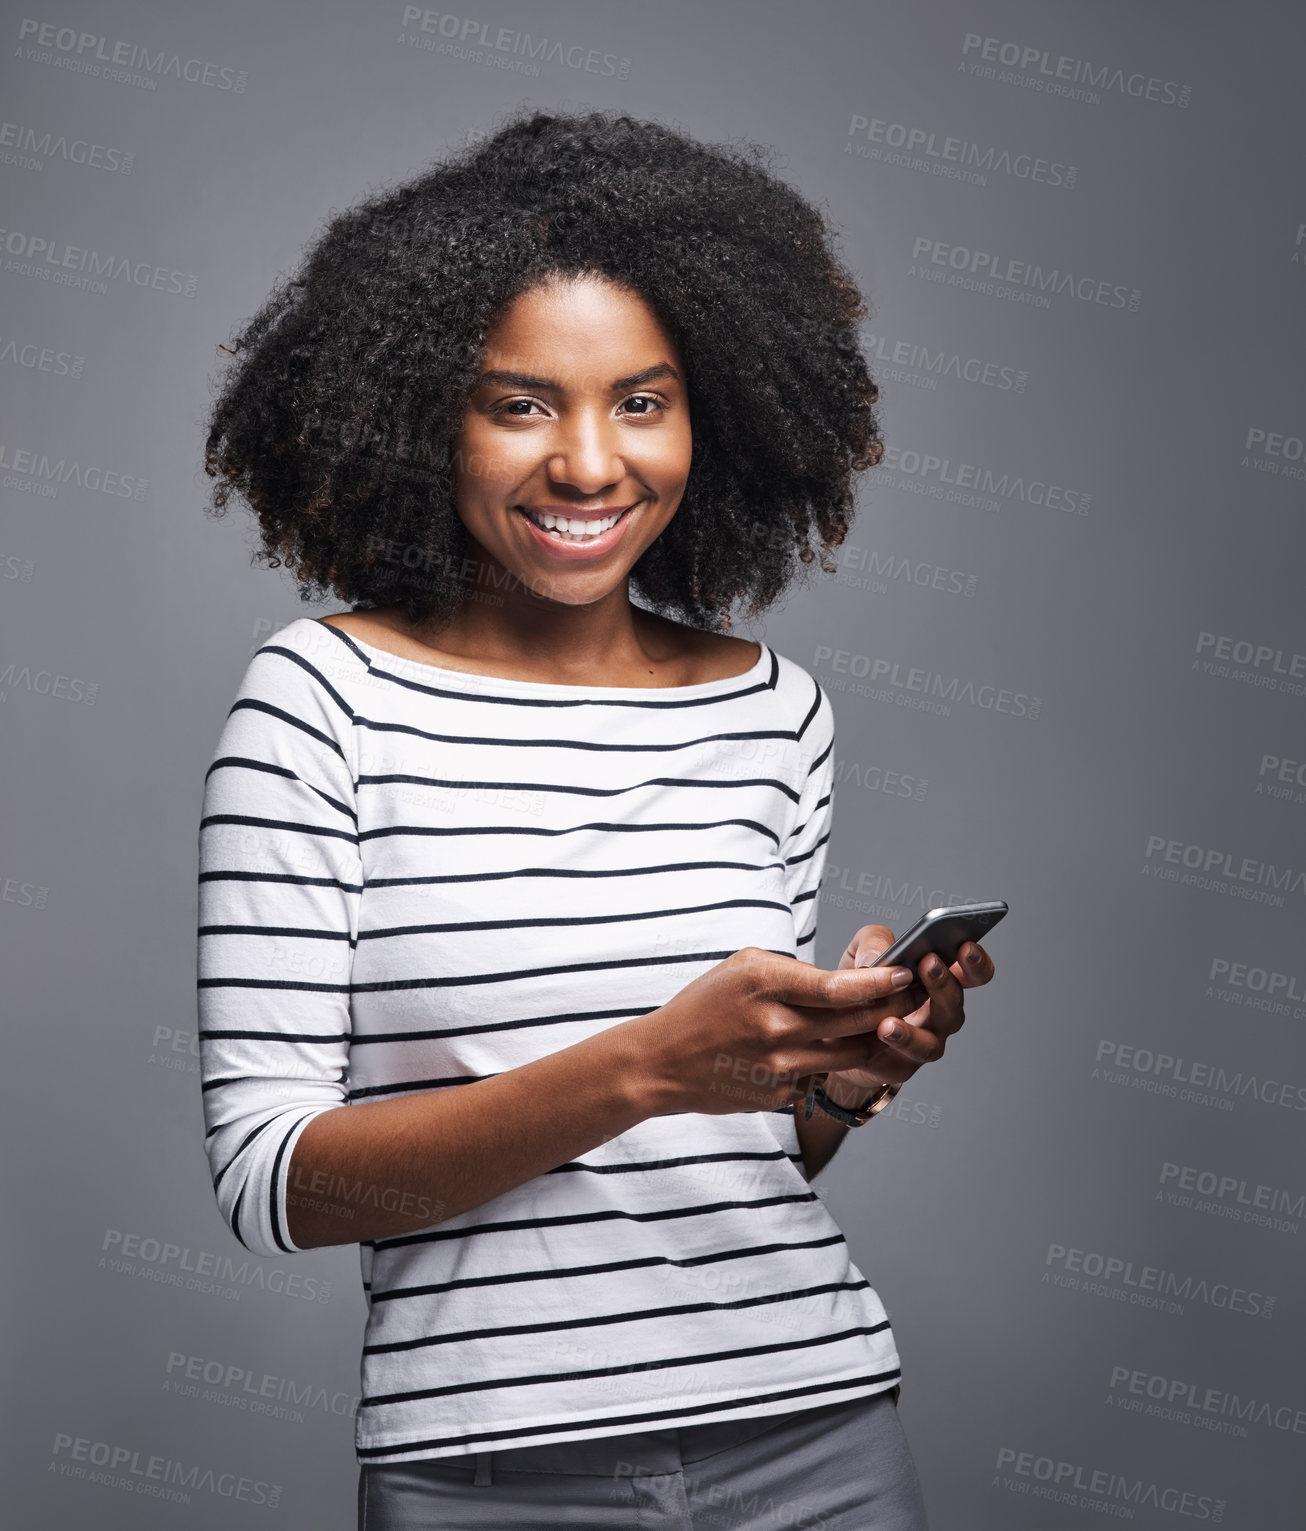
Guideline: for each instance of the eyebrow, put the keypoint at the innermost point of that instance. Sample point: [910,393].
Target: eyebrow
[547,385]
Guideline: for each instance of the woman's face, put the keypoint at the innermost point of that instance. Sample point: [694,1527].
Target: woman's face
[581,412]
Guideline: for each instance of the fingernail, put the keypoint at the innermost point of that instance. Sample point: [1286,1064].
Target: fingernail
[901,977]
[937,969]
[892,1032]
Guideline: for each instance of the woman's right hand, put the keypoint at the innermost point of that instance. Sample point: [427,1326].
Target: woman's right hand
[748,1034]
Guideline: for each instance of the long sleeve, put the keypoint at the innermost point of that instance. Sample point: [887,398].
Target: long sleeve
[280,877]
[804,850]
[522,846]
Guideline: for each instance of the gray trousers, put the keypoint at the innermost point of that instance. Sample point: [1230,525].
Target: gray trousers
[842,1467]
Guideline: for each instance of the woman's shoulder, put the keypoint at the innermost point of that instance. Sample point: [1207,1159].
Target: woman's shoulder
[303,668]
[313,651]
[704,655]
[801,703]
[294,707]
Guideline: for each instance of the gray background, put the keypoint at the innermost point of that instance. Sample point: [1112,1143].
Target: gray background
[1175,420]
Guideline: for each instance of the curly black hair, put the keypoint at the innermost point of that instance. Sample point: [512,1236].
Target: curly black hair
[336,418]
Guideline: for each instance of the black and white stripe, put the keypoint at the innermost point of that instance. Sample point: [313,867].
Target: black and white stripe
[413,879]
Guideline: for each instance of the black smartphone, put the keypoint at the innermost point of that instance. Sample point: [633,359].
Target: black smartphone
[943,931]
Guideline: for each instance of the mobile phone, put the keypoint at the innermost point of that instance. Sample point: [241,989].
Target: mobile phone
[943,931]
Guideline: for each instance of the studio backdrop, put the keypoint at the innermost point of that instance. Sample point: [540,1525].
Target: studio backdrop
[1065,644]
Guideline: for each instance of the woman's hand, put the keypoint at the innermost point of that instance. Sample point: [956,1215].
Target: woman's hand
[925,1015]
[748,1034]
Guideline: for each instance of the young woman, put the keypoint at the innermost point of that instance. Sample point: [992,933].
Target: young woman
[517,870]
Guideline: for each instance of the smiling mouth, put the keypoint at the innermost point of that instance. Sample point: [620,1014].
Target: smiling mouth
[574,528]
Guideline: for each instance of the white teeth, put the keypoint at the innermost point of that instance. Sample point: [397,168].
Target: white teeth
[573,527]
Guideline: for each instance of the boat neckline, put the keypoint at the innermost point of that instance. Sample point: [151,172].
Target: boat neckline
[479,680]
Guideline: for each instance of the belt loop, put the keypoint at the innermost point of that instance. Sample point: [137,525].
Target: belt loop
[484,1473]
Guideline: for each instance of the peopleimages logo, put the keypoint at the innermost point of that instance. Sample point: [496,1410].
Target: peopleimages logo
[1275,452]
[114,59]
[1207,1408]
[871,778]
[38,473]
[1254,664]
[1190,1079]
[29,148]
[39,358]
[1230,1196]
[68,265]
[69,688]
[958,159]
[1146,1286]
[1006,276]
[966,483]
[1287,782]
[881,885]
[470,36]
[924,690]
[1220,871]
[908,361]
[1098,1488]
[1063,75]
[29,894]
[213,1275]
[877,569]
[1257,988]
[241,1387]
[156,1477]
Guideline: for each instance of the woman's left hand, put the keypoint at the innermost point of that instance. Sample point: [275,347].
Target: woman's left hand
[902,1045]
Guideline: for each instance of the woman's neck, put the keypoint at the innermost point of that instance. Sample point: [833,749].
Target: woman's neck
[619,644]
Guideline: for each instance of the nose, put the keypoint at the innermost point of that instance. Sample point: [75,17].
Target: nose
[585,453]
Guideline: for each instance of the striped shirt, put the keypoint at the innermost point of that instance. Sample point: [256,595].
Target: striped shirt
[413,878]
